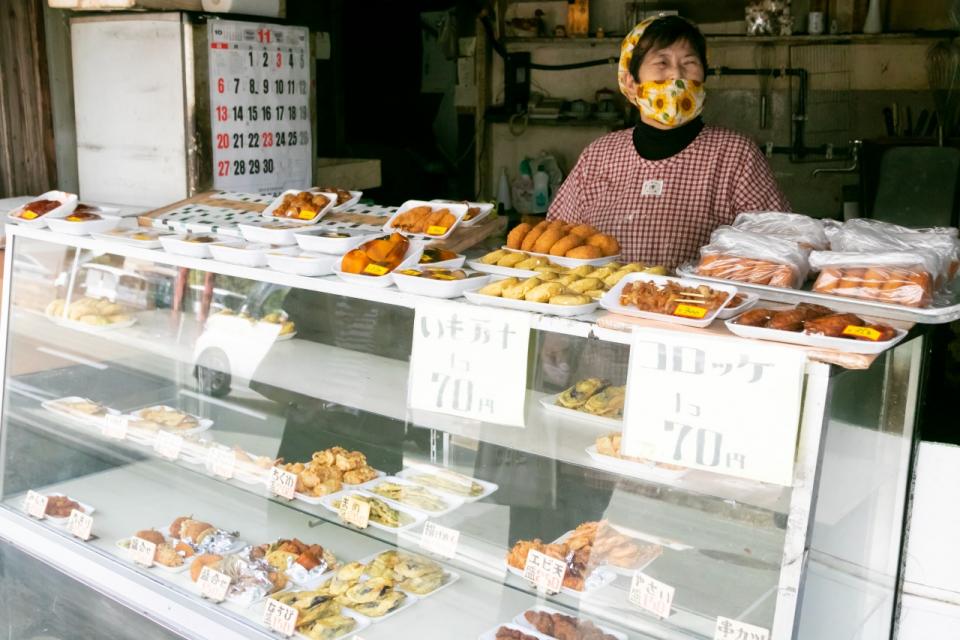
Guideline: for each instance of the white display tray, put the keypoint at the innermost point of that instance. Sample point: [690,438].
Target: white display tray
[202,423]
[92,328]
[410,259]
[623,571]
[247,254]
[354,199]
[408,472]
[436,288]
[646,470]
[611,300]
[362,621]
[312,239]
[453,263]
[84,227]
[93,421]
[549,403]
[178,246]
[458,210]
[265,232]
[846,345]
[68,202]
[454,503]
[563,261]
[507,272]
[598,578]
[521,621]
[125,236]
[121,545]
[491,634]
[418,517]
[485,209]
[451,576]
[729,312]
[268,212]
[564,311]
[303,263]
[336,494]
[62,522]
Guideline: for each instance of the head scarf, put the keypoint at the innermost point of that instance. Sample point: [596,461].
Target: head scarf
[669,102]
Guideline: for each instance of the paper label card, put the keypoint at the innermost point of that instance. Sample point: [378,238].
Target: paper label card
[142,551]
[168,445]
[213,584]
[35,504]
[280,617]
[544,572]
[283,483]
[440,540]
[80,524]
[651,595]
[354,511]
[729,629]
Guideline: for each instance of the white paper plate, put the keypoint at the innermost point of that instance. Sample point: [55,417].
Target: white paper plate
[598,578]
[354,199]
[751,299]
[611,300]
[550,404]
[520,621]
[646,470]
[280,232]
[178,246]
[409,472]
[313,239]
[568,262]
[491,634]
[121,545]
[418,517]
[92,328]
[452,502]
[84,227]
[303,263]
[507,272]
[545,308]
[62,522]
[411,258]
[621,570]
[846,345]
[485,209]
[68,202]
[247,254]
[458,210]
[436,288]
[125,236]
[268,212]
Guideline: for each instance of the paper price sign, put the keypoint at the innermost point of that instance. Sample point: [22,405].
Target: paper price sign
[260,122]
[469,361]
[213,584]
[729,629]
[80,524]
[355,512]
[861,332]
[440,540]
[221,462]
[544,572]
[730,406]
[283,483]
[168,445]
[280,617]
[142,551]
[651,595]
[115,426]
[35,504]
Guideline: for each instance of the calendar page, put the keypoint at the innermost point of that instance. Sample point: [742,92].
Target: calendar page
[260,106]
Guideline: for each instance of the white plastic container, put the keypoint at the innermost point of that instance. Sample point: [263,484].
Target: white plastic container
[143,237]
[750,299]
[564,311]
[452,263]
[247,254]
[68,202]
[410,259]
[279,232]
[354,199]
[452,502]
[83,227]
[846,345]
[411,472]
[435,288]
[415,517]
[458,210]
[484,207]
[331,197]
[611,300]
[568,262]
[646,470]
[302,263]
[333,241]
[181,246]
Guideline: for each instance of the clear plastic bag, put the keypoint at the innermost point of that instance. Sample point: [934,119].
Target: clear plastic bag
[806,231]
[745,256]
[905,278]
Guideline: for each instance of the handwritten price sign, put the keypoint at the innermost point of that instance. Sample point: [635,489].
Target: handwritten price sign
[213,584]
[283,483]
[80,524]
[440,540]
[544,572]
[729,629]
[354,511]
[280,617]
[651,595]
[35,504]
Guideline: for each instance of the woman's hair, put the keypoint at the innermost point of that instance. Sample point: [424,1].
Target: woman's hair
[662,33]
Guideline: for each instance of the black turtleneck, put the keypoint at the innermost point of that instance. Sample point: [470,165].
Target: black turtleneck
[658,144]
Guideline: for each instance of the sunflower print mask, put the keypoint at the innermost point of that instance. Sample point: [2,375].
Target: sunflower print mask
[670,102]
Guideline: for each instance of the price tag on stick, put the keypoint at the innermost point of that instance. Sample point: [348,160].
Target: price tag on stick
[651,595]
[80,524]
[280,617]
[730,629]
[213,584]
[544,572]
[142,551]
[354,511]
[440,540]
[168,445]
[35,504]
[283,483]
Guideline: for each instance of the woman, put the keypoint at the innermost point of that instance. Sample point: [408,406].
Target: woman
[663,188]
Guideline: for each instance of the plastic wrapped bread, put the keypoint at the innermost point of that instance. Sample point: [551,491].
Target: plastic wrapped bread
[905,278]
[745,256]
[806,231]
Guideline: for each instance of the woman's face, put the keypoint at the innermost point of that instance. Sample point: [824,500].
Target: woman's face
[679,61]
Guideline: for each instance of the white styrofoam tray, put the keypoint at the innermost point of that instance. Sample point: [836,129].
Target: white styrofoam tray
[178,245]
[61,522]
[436,288]
[125,236]
[846,345]
[521,621]
[54,407]
[354,199]
[458,210]
[484,207]
[417,516]
[751,299]
[410,259]
[491,634]
[611,300]
[92,328]
[563,261]
[316,239]
[452,263]
[452,502]
[247,254]
[362,621]
[410,472]
[545,308]
[268,212]
[598,578]
[279,231]
[84,227]
[646,470]
[506,272]
[549,403]
[68,202]
[449,576]
[303,263]
[623,571]
[202,423]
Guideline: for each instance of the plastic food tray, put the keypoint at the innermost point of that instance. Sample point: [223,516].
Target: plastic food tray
[418,517]
[303,263]
[729,312]
[646,470]
[458,210]
[611,300]
[450,576]
[203,423]
[545,308]
[93,328]
[454,503]
[491,634]
[313,239]
[178,246]
[453,263]
[622,570]
[268,212]
[54,407]
[485,209]
[62,522]
[354,199]
[568,262]
[247,254]
[846,345]
[84,227]
[408,473]
[599,577]
[68,202]
[437,288]
[411,259]
[126,237]
[549,403]
[362,621]
[280,231]
[507,272]
[521,621]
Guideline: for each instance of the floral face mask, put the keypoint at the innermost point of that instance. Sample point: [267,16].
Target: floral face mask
[671,102]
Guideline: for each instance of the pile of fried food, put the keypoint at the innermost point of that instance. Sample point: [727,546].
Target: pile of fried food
[319,616]
[303,205]
[507,633]
[558,238]
[558,285]
[381,512]
[609,445]
[665,298]
[83,408]
[284,554]
[432,255]
[439,273]
[563,627]
[37,209]
[408,571]
[342,194]
[411,495]
[327,471]
[251,577]
[595,396]
[187,538]
[750,270]
[817,320]
[61,506]
[376,257]
[448,481]
[589,545]
[92,311]
[425,219]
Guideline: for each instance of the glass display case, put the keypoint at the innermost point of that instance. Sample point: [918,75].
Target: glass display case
[155,393]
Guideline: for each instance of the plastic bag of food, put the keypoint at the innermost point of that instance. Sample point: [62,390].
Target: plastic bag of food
[806,231]
[904,277]
[745,256]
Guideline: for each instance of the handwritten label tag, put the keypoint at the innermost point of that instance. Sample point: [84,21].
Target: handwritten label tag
[280,617]
[544,572]
[440,540]
[80,524]
[861,332]
[652,188]
[283,483]
[35,504]
[690,311]
[115,426]
[651,595]
[213,584]
[221,462]
[355,512]
[142,551]
[168,445]
[729,629]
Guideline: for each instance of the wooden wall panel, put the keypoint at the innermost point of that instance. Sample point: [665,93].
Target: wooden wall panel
[27,155]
